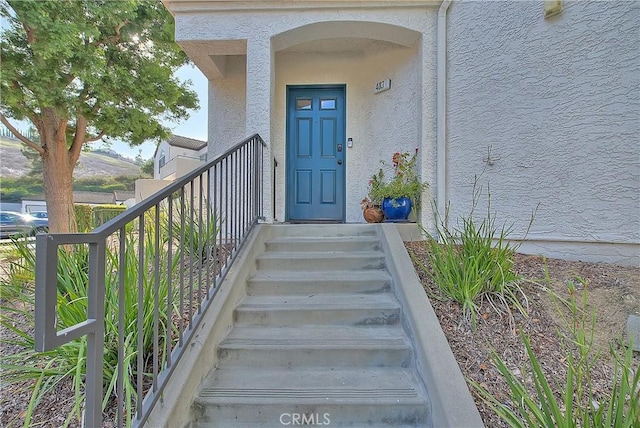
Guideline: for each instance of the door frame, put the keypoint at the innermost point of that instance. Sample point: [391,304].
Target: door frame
[334,86]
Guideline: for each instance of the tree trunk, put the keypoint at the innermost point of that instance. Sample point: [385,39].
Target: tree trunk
[58,169]
[58,191]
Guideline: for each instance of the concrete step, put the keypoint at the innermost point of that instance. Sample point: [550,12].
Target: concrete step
[315,346]
[324,243]
[295,310]
[314,282]
[335,397]
[324,230]
[321,260]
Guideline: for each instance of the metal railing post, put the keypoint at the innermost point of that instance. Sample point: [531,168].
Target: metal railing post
[46,295]
[95,339]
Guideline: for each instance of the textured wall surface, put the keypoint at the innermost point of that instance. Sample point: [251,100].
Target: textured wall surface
[557,103]
[379,124]
[227,102]
[548,110]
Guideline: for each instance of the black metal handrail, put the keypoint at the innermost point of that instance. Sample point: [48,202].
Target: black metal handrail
[167,255]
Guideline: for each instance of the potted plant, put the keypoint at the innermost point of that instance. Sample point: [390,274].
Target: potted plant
[403,191]
[371,204]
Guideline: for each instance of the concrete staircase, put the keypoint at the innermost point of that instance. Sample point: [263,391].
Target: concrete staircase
[318,340]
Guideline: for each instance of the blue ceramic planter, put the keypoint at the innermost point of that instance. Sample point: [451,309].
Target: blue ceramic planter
[396,210]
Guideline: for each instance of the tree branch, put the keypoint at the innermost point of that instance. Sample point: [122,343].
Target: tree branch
[20,87]
[119,27]
[96,138]
[67,79]
[96,107]
[30,35]
[82,97]
[78,138]
[38,148]
[116,38]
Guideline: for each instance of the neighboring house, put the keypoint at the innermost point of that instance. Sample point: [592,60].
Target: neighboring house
[38,202]
[10,206]
[172,159]
[545,107]
[177,156]
[124,197]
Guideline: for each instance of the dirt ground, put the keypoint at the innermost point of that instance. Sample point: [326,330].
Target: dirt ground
[613,293]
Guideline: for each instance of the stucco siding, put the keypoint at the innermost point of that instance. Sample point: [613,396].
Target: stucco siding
[379,124]
[551,109]
[264,23]
[227,100]
[548,110]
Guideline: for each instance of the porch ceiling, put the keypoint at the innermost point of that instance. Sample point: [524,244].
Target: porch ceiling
[337,45]
[210,56]
[335,35]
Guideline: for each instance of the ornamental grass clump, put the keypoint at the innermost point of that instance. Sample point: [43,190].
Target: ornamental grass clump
[533,402]
[198,231]
[68,361]
[474,262]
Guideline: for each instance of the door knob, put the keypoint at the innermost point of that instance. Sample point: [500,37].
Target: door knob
[339,161]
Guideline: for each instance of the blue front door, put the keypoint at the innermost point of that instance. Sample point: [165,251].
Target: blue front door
[315,153]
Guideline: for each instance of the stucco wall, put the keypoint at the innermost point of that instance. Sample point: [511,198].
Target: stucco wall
[558,103]
[227,100]
[379,124]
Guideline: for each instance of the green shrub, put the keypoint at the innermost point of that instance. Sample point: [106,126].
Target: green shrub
[577,406]
[89,217]
[20,267]
[114,187]
[104,213]
[475,261]
[84,217]
[104,184]
[15,189]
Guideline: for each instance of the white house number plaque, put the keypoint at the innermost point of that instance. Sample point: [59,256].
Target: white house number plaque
[381,86]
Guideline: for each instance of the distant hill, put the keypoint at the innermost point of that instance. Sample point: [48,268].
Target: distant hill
[100,164]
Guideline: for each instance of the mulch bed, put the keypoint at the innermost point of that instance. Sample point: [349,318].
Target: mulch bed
[472,347]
